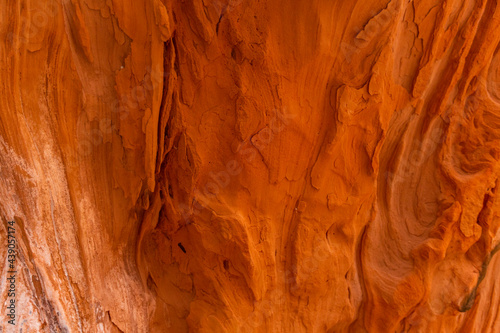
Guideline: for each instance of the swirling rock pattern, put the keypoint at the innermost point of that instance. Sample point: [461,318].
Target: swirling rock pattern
[238,166]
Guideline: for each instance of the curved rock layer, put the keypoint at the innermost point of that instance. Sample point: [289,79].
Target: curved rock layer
[252,166]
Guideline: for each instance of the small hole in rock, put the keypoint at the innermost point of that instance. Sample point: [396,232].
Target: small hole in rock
[226,265]
[182,247]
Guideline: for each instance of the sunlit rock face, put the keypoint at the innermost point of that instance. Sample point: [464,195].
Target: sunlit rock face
[251,166]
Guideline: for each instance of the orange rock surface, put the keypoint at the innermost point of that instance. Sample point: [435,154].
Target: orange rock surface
[251,166]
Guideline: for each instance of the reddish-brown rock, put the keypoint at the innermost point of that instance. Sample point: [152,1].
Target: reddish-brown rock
[251,166]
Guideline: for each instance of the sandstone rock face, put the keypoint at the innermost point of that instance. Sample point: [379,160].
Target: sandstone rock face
[251,166]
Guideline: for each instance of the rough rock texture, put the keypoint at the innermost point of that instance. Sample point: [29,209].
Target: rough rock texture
[251,166]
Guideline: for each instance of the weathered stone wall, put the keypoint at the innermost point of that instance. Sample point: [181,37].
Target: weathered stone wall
[251,166]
